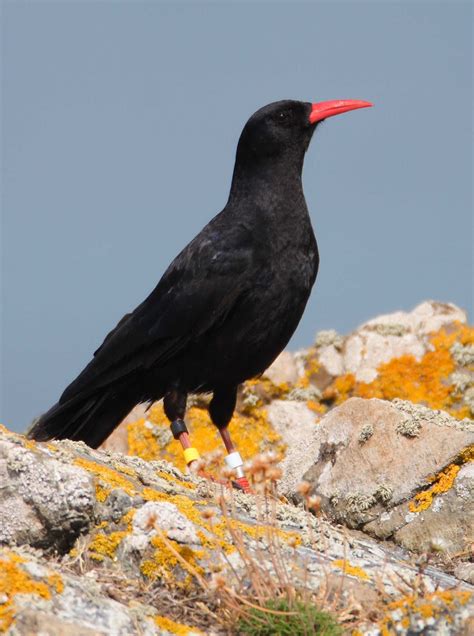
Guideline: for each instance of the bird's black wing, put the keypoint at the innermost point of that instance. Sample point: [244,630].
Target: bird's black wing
[196,293]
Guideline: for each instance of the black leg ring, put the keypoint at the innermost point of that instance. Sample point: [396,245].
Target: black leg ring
[178,427]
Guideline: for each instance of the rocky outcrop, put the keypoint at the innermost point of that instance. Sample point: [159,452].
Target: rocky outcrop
[396,470]
[370,511]
[148,531]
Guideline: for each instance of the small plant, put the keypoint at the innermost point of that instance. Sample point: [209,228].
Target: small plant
[282,618]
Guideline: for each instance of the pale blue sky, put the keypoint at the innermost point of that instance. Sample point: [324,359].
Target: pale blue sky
[120,122]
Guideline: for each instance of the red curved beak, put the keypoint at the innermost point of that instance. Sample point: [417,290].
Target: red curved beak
[322,110]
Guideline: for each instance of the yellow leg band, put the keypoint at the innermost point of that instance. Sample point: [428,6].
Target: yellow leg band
[191,454]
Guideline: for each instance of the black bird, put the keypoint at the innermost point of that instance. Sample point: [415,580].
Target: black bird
[225,307]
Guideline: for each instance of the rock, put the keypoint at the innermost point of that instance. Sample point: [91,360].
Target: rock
[117,442]
[283,370]
[153,531]
[394,470]
[393,335]
[41,599]
[465,571]
[292,420]
[43,502]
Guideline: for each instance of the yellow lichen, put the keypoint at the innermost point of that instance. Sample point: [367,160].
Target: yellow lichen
[175,480]
[442,482]
[105,545]
[15,580]
[427,606]
[141,441]
[351,570]
[55,580]
[252,433]
[164,561]
[174,628]
[106,478]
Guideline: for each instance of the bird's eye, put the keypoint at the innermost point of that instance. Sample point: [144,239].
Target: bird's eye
[284,116]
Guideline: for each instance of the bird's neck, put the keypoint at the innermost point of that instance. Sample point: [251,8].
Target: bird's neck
[267,182]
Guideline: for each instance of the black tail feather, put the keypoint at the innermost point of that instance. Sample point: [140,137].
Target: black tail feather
[90,420]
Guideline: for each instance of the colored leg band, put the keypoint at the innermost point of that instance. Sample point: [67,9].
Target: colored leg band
[191,454]
[235,462]
[177,427]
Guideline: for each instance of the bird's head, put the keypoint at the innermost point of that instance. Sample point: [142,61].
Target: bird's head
[284,129]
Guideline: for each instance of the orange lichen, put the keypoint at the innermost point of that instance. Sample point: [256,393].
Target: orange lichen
[341,389]
[106,478]
[351,570]
[442,482]
[15,580]
[174,628]
[105,545]
[425,381]
[317,407]
[252,433]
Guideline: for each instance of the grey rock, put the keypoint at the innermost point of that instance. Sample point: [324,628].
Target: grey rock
[372,481]
[43,502]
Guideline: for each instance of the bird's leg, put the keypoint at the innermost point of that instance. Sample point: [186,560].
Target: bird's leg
[175,407]
[221,409]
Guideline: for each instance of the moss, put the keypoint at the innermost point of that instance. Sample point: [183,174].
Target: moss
[16,580]
[351,570]
[442,482]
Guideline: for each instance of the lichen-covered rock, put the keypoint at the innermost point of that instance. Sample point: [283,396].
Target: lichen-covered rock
[152,528]
[396,470]
[393,335]
[43,502]
[40,599]
[283,370]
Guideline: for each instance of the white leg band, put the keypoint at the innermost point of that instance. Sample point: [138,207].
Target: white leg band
[235,462]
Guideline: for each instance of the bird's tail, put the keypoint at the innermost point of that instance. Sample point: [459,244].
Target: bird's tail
[90,419]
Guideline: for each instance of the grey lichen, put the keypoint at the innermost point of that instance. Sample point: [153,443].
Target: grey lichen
[461,381]
[409,428]
[328,337]
[359,502]
[469,399]
[366,433]
[383,493]
[250,399]
[463,354]
[393,329]
[300,394]
[162,435]
[420,414]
